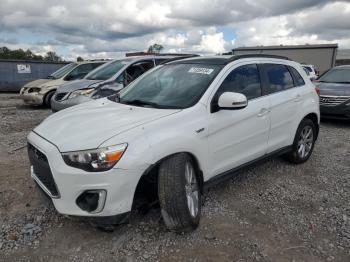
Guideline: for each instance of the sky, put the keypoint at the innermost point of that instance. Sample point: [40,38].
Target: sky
[109,28]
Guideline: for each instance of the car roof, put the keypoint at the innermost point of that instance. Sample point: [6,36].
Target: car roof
[224,59]
[140,58]
[91,62]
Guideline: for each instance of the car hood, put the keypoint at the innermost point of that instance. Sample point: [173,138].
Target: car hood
[76,85]
[37,83]
[334,89]
[88,125]
[55,82]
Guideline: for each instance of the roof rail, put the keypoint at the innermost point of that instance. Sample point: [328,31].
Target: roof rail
[178,58]
[236,57]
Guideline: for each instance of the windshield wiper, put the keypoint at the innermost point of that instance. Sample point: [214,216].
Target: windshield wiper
[51,77]
[138,102]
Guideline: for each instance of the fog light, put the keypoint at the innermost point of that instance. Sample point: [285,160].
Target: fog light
[92,201]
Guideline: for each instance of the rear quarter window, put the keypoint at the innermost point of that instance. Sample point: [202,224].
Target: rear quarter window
[298,79]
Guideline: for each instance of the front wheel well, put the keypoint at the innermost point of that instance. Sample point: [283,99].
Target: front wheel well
[52,91]
[146,192]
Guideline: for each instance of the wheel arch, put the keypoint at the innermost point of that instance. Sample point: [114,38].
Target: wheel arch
[314,118]
[150,177]
[51,91]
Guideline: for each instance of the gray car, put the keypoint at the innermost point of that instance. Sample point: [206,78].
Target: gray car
[104,81]
[334,86]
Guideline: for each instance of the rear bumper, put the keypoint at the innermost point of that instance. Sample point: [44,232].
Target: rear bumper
[33,98]
[60,105]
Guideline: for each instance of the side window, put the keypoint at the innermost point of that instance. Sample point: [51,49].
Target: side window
[80,71]
[298,80]
[245,80]
[161,60]
[279,77]
[95,65]
[137,69]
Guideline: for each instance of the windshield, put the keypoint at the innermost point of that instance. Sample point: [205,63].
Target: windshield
[107,71]
[171,86]
[336,76]
[62,71]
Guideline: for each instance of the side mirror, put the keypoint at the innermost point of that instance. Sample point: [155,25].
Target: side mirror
[232,101]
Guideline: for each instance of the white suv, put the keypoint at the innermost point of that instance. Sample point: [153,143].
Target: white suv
[178,128]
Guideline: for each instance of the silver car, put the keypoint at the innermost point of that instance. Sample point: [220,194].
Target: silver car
[105,80]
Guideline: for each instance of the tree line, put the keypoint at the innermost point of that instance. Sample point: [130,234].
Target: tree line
[20,54]
[6,53]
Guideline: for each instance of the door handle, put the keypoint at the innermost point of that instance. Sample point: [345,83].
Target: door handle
[297,98]
[263,112]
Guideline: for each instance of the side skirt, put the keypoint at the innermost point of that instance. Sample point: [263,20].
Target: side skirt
[228,174]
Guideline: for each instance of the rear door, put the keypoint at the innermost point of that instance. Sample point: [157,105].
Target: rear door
[285,101]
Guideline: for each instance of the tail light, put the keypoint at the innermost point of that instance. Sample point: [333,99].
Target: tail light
[317,90]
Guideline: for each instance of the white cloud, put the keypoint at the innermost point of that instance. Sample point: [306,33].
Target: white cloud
[329,24]
[108,27]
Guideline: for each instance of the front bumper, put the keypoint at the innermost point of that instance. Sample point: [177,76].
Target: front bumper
[120,184]
[32,98]
[341,111]
[63,104]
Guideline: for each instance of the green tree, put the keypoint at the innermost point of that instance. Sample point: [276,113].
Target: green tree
[6,53]
[52,57]
[80,59]
[155,48]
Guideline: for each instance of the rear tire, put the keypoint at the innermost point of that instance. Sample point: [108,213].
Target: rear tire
[179,193]
[47,98]
[304,142]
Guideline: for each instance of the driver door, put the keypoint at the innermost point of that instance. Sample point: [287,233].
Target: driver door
[237,136]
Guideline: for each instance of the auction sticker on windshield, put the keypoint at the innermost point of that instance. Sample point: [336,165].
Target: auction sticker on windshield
[201,70]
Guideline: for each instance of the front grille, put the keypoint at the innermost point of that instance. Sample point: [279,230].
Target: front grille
[333,100]
[42,169]
[60,96]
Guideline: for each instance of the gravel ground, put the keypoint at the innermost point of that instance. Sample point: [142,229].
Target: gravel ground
[273,212]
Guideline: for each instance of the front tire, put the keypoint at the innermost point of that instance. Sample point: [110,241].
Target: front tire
[47,98]
[179,193]
[304,142]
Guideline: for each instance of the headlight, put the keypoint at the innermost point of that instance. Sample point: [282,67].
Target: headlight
[34,90]
[100,159]
[84,92]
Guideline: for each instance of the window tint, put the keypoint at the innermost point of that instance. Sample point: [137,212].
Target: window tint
[95,65]
[306,71]
[84,68]
[63,70]
[135,70]
[336,75]
[245,80]
[80,71]
[107,70]
[161,60]
[279,77]
[299,81]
